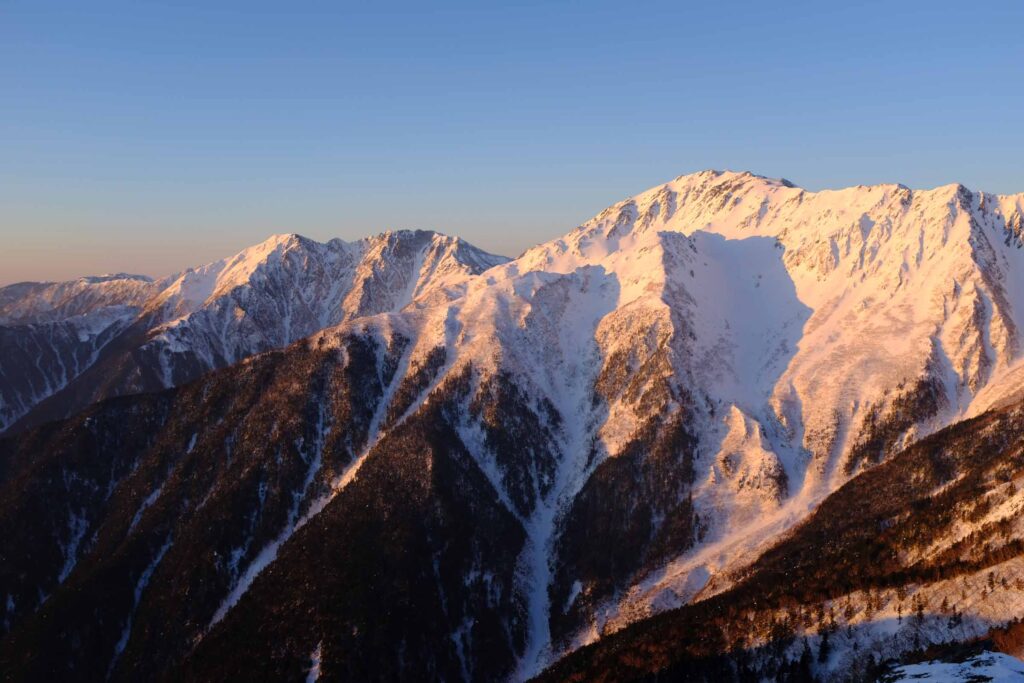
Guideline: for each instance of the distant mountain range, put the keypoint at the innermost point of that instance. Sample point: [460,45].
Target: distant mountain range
[67,344]
[728,429]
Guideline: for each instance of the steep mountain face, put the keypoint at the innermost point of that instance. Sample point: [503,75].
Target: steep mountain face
[170,505]
[69,344]
[51,332]
[814,334]
[925,549]
[472,467]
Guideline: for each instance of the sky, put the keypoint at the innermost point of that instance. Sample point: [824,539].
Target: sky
[148,136]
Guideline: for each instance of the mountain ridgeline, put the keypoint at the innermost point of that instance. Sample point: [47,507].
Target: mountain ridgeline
[729,429]
[66,345]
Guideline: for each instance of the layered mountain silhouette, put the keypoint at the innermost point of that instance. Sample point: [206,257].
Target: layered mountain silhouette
[727,429]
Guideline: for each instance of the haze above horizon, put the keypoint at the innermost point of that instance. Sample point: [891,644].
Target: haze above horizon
[147,137]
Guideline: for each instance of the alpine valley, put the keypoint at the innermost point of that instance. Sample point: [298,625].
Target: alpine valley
[727,430]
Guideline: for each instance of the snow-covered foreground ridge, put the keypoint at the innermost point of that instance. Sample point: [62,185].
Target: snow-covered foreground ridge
[652,399]
[988,666]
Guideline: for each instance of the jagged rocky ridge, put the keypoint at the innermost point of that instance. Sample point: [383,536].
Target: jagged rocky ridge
[617,423]
[66,345]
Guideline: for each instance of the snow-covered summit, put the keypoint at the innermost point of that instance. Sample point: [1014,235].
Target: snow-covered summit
[444,261]
[799,336]
[264,297]
[899,284]
[645,403]
[817,331]
[794,337]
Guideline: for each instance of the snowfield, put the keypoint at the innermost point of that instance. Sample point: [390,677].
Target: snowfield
[988,666]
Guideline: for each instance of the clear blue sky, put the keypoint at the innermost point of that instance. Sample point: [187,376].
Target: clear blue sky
[147,136]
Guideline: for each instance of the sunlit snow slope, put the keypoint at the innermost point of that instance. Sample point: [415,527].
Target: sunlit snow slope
[69,344]
[721,352]
[636,410]
[814,332]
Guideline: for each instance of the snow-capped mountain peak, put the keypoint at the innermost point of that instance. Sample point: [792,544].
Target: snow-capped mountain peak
[264,297]
[800,336]
[814,332]
[618,422]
